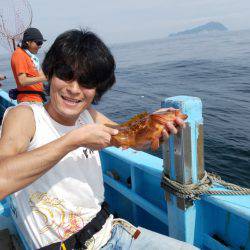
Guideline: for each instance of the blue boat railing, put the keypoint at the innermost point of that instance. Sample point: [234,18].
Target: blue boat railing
[210,223]
[133,189]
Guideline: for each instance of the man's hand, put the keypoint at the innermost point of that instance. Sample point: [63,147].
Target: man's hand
[27,81]
[171,127]
[93,136]
[43,77]
[2,77]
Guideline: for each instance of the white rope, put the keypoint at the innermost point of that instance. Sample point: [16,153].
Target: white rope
[194,191]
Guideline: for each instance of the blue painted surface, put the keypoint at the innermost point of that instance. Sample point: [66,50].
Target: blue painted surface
[192,106]
[225,226]
[143,197]
[239,205]
[215,222]
[211,243]
[184,224]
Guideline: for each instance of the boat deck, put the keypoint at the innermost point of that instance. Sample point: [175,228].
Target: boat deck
[132,188]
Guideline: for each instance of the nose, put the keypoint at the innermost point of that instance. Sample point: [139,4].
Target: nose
[74,87]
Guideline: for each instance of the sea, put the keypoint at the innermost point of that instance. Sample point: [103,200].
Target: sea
[212,66]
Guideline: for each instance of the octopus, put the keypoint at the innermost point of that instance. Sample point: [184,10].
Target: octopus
[144,129]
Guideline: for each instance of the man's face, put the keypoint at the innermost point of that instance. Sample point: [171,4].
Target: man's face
[68,100]
[34,46]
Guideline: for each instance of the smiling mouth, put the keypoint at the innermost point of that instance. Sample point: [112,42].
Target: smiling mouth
[71,100]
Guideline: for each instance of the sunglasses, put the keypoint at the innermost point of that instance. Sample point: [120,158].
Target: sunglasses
[39,43]
[66,73]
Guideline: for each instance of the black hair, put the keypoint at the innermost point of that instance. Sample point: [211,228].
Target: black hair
[24,45]
[81,55]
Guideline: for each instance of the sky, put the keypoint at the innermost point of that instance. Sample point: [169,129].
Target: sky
[117,21]
[132,20]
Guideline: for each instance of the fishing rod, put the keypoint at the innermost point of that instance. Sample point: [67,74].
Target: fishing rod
[125,92]
[15,17]
[137,95]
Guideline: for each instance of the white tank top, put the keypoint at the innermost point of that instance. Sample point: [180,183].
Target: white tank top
[68,196]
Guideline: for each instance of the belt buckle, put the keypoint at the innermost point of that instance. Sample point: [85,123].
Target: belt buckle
[89,244]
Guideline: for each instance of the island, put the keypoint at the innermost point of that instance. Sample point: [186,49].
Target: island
[211,26]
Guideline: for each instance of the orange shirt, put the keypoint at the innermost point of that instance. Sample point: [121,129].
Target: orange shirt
[22,63]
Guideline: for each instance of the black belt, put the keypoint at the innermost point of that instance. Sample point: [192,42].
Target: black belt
[77,241]
[13,93]
[40,93]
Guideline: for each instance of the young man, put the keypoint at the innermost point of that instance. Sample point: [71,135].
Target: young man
[51,163]
[26,68]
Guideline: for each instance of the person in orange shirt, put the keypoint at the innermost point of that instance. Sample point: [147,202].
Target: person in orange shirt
[26,68]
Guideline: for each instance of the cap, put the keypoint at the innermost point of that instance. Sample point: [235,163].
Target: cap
[32,34]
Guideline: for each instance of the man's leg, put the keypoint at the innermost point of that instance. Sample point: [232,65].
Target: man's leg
[151,240]
[120,239]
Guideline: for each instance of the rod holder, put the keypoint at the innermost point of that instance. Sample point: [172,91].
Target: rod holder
[183,161]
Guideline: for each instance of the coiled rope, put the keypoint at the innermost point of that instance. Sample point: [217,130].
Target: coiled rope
[194,191]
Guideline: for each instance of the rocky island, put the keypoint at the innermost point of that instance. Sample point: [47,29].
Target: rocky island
[211,26]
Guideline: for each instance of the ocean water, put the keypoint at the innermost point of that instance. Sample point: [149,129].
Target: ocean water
[214,67]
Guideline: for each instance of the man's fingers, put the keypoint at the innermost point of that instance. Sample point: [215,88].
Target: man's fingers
[180,122]
[111,131]
[165,134]
[171,128]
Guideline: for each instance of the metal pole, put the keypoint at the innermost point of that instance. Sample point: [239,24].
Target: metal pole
[14,44]
[184,162]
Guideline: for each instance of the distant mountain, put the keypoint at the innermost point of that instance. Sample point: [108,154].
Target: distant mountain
[211,26]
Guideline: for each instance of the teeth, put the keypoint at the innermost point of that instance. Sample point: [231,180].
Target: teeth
[71,100]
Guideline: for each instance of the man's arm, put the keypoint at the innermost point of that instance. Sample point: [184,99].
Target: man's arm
[20,67]
[100,118]
[26,81]
[170,128]
[19,168]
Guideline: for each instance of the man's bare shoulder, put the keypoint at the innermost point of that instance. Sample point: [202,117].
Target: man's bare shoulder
[19,117]
[21,110]
[18,129]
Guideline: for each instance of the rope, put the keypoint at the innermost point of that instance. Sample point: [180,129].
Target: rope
[194,191]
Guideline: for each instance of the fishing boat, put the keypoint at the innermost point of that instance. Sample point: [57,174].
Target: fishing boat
[174,196]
